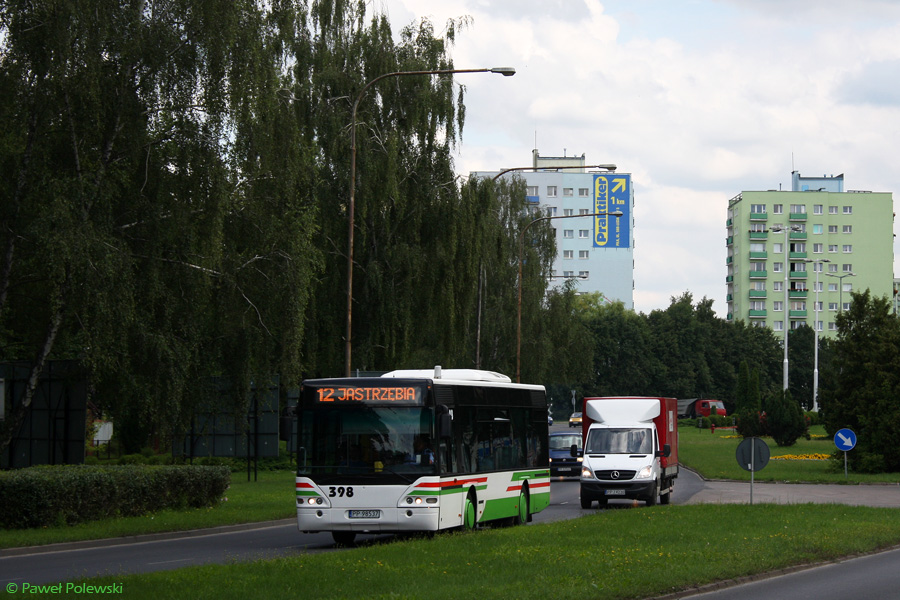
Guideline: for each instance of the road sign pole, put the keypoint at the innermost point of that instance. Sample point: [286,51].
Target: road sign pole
[845,464]
[752,466]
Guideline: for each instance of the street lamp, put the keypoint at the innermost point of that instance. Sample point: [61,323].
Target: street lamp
[608,167]
[841,294]
[787,314]
[505,71]
[815,402]
[617,214]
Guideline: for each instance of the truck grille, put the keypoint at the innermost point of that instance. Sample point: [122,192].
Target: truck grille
[613,475]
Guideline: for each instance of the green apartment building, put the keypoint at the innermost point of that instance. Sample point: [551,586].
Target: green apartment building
[794,256]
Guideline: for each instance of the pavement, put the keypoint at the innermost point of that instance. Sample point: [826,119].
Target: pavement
[736,492]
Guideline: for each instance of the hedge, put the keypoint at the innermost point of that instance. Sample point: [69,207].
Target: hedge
[61,495]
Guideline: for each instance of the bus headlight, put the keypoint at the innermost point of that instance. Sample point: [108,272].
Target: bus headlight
[411,500]
[644,473]
[312,500]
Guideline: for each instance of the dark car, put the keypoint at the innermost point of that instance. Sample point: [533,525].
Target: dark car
[561,460]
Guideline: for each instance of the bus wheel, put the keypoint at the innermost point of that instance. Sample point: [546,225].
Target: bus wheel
[522,516]
[343,538]
[469,516]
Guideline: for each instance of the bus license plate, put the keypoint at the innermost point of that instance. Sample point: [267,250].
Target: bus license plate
[615,492]
[561,469]
[365,514]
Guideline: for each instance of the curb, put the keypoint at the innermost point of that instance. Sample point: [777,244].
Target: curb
[147,537]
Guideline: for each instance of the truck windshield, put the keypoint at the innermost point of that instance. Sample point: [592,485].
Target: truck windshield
[619,441]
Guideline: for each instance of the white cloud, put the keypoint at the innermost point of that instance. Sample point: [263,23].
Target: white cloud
[699,100]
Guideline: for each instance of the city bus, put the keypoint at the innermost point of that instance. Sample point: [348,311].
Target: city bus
[419,450]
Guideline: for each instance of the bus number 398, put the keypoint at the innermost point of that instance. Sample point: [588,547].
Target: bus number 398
[340,491]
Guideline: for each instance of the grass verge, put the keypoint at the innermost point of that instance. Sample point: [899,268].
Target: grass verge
[713,456]
[612,554]
[270,497]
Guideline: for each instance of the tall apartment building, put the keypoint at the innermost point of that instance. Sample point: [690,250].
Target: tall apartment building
[795,256]
[597,252]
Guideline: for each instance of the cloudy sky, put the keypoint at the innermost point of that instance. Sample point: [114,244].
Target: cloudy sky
[699,99]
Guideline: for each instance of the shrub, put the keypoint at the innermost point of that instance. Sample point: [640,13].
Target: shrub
[48,496]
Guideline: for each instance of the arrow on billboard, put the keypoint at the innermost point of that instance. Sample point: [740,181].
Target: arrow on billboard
[618,185]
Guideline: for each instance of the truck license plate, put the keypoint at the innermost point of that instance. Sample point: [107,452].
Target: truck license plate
[615,492]
[365,514]
[561,469]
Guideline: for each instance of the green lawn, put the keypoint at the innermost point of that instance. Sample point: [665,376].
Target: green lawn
[713,456]
[637,553]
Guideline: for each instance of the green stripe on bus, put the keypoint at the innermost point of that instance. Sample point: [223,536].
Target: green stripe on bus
[530,474]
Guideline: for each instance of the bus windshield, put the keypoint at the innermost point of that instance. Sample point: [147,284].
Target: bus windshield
[362,439]
[619,441]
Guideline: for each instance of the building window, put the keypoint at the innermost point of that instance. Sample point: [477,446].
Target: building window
[832,268]
[568,212]
[778,267]
[832,210]
[568,273]
[758,266]
[778,306]
[817,230]
[583,254]
[583,211]
[848,248]
[832,306]
[798,208]
[846,306]
[757,227]
[798,247]
[778,209]
[832,287]
[584,192]
[817,248]
[798,267]
[584,274]
[569,234]
[848,287]
[817,209]
[778,325]
[848,268]
[567,254]
[832,229]
[568,192]
[584,233]
[832,326]
[759,286]
[531,190]
[847,229]
[778,286]
[551,191]
[832,248]
[848,210]
[798,305]
[757,247]
[778,248]
[757,305]
[758,208]
[551,211]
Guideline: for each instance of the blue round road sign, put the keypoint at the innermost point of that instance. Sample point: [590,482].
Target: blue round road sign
[845,439]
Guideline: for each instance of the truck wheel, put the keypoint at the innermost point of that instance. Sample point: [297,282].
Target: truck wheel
[667,497]
[522,516]
[654,494]
[343,538]
[586,502]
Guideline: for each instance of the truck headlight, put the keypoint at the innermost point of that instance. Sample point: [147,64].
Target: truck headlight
[586,473]
[644,473]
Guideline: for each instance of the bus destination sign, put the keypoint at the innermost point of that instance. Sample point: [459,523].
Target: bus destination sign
[405,394]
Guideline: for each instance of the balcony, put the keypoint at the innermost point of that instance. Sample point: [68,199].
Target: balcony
[729,278]
[758,274]
[796,255]
[728,222]
[757,314]
[729,260]
[797,216]
[533,199]
[759,216]
[729,240]
[757,293]
[797,293]
[797,314]
[759,235]
[762,254]
[798,274]
[729,297]
[798,235]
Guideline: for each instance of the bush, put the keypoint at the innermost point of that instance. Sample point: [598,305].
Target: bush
[64,495]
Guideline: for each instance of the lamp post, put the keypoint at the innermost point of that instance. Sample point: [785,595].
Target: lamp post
[505,71]
[815,402]
[608,167]
[617,214]
[787,313]
[841,287]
